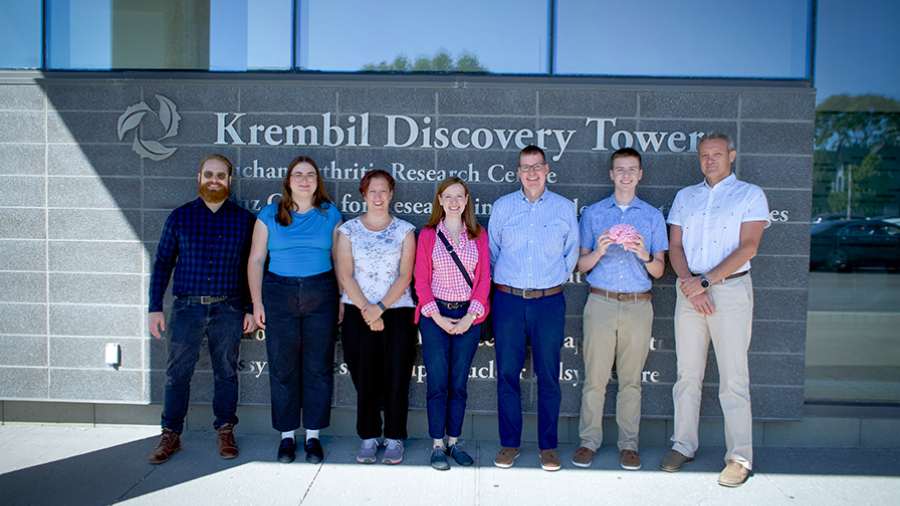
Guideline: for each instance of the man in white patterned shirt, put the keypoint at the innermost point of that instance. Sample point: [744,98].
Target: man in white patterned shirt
[715,229]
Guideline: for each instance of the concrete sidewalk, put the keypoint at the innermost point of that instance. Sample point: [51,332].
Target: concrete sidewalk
[42,464]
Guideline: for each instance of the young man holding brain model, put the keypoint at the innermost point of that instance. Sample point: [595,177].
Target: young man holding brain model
[623,244]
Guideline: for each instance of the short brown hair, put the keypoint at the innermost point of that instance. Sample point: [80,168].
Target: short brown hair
[625,153]
[216,156]
[531,149]
[372,174]
[468,217]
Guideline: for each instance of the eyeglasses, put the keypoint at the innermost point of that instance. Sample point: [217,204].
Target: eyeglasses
[532,168]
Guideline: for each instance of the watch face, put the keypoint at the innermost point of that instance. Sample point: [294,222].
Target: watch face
[704,283]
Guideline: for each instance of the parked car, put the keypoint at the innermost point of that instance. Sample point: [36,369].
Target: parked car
[844,245]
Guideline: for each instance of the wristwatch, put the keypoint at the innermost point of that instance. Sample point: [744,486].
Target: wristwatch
[704,282]
[381,305]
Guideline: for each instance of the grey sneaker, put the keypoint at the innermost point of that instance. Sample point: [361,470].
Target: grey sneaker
[393,453]
[367,451]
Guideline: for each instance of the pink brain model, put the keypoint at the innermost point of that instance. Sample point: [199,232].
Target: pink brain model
[623,233]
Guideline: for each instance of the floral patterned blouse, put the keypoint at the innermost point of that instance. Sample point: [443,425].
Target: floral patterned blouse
[376,259]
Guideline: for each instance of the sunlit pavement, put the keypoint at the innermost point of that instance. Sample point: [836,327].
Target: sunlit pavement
[104,465]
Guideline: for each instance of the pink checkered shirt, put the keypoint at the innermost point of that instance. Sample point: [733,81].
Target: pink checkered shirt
[447,283]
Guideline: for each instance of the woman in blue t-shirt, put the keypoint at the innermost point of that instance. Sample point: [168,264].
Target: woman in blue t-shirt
[296,302]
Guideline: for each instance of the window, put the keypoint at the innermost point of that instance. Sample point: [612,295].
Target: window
[20,34]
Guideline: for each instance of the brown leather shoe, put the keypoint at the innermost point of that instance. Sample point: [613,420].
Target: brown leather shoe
[673,460]
[227,445]
[583,457]
[550,460]
[506,457]
[169,443]
[629,460]
[734,475]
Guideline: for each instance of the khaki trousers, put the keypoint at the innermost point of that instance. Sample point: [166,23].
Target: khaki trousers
[617,332]
[729,330]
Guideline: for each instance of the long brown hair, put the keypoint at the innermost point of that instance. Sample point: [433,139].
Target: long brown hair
[468,215]
[320,196]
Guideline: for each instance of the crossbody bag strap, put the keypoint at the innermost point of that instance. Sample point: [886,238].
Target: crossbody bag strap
[455,258]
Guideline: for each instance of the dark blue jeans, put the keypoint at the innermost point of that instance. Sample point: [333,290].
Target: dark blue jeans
[301,322]
[222,324]
[447,362]
[517,323]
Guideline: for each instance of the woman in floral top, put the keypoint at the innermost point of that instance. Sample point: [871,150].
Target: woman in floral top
[452,305]
[375,254]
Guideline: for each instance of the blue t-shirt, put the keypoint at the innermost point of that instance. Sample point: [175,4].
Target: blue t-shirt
[302,248]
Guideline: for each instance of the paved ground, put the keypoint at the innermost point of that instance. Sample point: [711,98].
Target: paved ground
[72,465]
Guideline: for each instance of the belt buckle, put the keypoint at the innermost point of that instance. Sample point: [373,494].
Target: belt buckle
[526,291]
[210,299]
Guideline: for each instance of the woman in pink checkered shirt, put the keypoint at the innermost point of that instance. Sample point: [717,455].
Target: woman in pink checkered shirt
[452,306]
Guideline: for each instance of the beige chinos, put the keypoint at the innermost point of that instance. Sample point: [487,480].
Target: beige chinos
[620,331]
[729,330]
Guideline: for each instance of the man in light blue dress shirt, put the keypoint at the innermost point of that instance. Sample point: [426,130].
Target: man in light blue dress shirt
[534,247]
[618,315]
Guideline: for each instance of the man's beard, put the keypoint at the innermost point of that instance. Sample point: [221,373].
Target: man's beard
[214,196]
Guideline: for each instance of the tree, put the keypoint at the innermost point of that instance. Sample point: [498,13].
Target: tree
[442,61]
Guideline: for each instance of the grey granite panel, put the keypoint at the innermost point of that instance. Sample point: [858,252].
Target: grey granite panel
[780,272]
[77,127]
[194,128]
[586,102]
[101,321]
[670,169]
[22,255]
[21,126]
[271,162]
[776,138]
[21,159]
[598,137]
[120,193]
[193,97]
[690,129]
[94,224]
[28,383]
[785,239]
[789,205]
[78,352]
[344,392]
[406,166]
[253,389]
[97,385]
[23,350]
[154,222]
[779,304]
[273,97]
[777,172]
[768,336]
[96,288]
[94,97]
[473,100]
[394,100]
[23,318]
[22,223]
[686,104]
[92,160]
[186,161]
[95,256]
[21,191]
[488,168]
[23,287]
[767,402]
[156,387]
[166,193]
[502,133]
[21,97]
[778,105]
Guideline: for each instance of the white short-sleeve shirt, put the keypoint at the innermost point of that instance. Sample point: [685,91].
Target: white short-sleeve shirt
[711,218]
[376,259]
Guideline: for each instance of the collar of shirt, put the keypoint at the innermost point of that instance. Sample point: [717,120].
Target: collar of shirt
[539,199]
[728,181]
[636,203]
[463,234]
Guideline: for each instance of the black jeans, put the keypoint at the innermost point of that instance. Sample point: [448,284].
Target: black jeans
[222,324]
[301,320]
[380,365]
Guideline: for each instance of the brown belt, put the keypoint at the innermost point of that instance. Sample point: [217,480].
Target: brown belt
[529,293]
[621,297]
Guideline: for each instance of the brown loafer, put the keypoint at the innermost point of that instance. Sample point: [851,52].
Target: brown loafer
[583,457]
[227,445]
[550,460]
[734,475]
[673,460]
[506,457]
[629,460]
[169,443]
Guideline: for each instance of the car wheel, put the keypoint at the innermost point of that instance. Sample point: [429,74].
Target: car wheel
[838,261]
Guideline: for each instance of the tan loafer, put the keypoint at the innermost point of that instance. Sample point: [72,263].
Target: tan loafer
[550,460]
[506,457]
[629,460]
[734,474]
[583,457]
[673,460]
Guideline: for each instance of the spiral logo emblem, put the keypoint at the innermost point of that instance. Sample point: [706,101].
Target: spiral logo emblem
[169,119]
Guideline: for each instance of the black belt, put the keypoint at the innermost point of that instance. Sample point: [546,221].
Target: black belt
[452,305]
[206,299]
[735,275]
[529,293]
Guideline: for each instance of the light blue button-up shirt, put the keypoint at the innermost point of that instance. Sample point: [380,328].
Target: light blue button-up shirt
[619,270]
[533,244]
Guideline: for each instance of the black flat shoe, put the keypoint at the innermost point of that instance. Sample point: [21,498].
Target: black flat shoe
[287,450]
[314,453]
